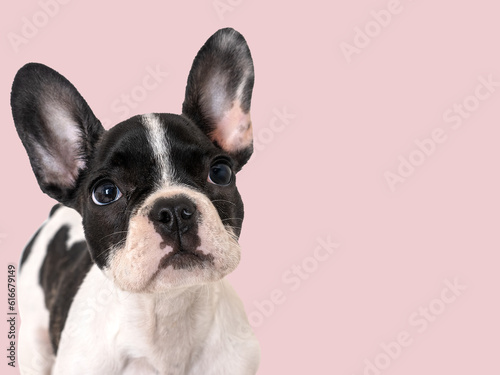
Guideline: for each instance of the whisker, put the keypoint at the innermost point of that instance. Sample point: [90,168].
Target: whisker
[112,234]
[223,200]
[232,218]
[231,226]
[109,249]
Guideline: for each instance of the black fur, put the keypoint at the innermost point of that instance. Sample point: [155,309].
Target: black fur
[29,246]
[54,209]
[62,273]
[36,87]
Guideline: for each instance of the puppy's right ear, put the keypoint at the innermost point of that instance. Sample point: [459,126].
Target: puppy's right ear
[57,128]
[219,93]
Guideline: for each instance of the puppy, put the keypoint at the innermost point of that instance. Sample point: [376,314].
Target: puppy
[127,274]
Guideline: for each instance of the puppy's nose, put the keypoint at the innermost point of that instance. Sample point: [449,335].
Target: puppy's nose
[175,215]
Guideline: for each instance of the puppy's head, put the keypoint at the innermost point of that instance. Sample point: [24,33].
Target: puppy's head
[156,192]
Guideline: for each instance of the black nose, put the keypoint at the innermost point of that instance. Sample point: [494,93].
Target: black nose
[177,214]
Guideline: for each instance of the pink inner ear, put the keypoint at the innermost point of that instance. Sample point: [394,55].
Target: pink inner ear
[60,159]
[234,131]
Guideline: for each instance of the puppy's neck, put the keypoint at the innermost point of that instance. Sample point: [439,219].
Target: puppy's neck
[182,302]
[178,302]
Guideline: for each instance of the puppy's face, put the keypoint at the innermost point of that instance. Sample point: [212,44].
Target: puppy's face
[156,192]
[160,205]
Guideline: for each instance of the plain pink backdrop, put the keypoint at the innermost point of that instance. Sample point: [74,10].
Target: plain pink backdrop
[319,172]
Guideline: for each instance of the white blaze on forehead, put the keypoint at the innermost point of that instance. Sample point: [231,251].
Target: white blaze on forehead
[159,145]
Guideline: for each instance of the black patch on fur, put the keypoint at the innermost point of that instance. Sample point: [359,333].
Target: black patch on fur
[54,209]
[125,157]
[29,246]
[63,271]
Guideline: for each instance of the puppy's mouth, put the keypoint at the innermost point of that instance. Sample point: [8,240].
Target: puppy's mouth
[182,258]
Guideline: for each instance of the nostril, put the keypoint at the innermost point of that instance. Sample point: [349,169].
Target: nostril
[165,216]
[185,214]
[177,214]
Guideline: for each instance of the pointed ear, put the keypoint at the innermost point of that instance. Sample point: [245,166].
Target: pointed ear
[57,128]
[219,93]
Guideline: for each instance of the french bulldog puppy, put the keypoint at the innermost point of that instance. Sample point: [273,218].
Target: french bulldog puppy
[127,274]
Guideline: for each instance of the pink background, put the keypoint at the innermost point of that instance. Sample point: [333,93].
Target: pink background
[321,173]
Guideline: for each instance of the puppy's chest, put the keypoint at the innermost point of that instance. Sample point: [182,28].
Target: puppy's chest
[166,344]
[139,334]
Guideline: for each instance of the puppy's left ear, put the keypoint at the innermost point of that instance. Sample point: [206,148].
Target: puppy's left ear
[57,128]
[219,93]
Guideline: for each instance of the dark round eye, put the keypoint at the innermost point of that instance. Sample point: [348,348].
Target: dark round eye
[105,192]
[220,173]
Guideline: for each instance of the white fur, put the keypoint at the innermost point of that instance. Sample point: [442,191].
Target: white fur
[156,136]
[195,330]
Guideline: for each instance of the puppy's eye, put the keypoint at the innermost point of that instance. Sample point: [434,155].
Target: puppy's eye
[105,192]
[220,173]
